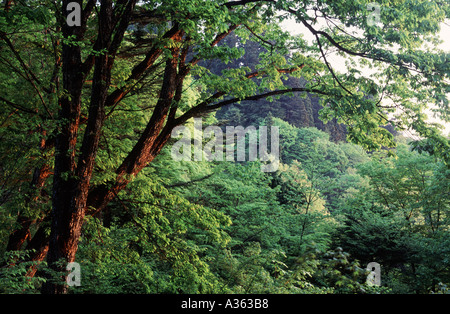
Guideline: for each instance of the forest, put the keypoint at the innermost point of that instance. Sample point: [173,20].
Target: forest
[352,109]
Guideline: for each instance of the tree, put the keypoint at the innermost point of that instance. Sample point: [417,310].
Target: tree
[65,82]
[400,220]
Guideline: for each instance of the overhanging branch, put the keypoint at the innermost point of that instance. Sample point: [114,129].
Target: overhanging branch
[204,107]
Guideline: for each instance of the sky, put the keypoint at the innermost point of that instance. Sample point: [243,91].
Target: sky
[338,64]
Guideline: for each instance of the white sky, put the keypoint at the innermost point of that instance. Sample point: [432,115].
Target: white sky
[338,64]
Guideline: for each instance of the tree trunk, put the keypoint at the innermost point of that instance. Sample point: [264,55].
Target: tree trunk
[66,217]
[71,192]
[72,181]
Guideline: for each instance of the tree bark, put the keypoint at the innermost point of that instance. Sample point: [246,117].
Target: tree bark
[151,141]
[66,216]
[18,237]
[72,181]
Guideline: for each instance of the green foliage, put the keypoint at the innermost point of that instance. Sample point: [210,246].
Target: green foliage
[13,274]
[401,220]
[222,227]
[155,244]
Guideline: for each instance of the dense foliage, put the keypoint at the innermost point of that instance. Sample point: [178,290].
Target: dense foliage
[310,227]
[346,193]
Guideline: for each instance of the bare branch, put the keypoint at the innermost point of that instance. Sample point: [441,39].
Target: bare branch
[243,2]
[204,107]
[16,106]
[27,70]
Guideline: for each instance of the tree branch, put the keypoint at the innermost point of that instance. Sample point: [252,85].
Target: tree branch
[27,70]
[329,66]
[204,107]
[188,182]
[16,106]
[150,58]
[231,4]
